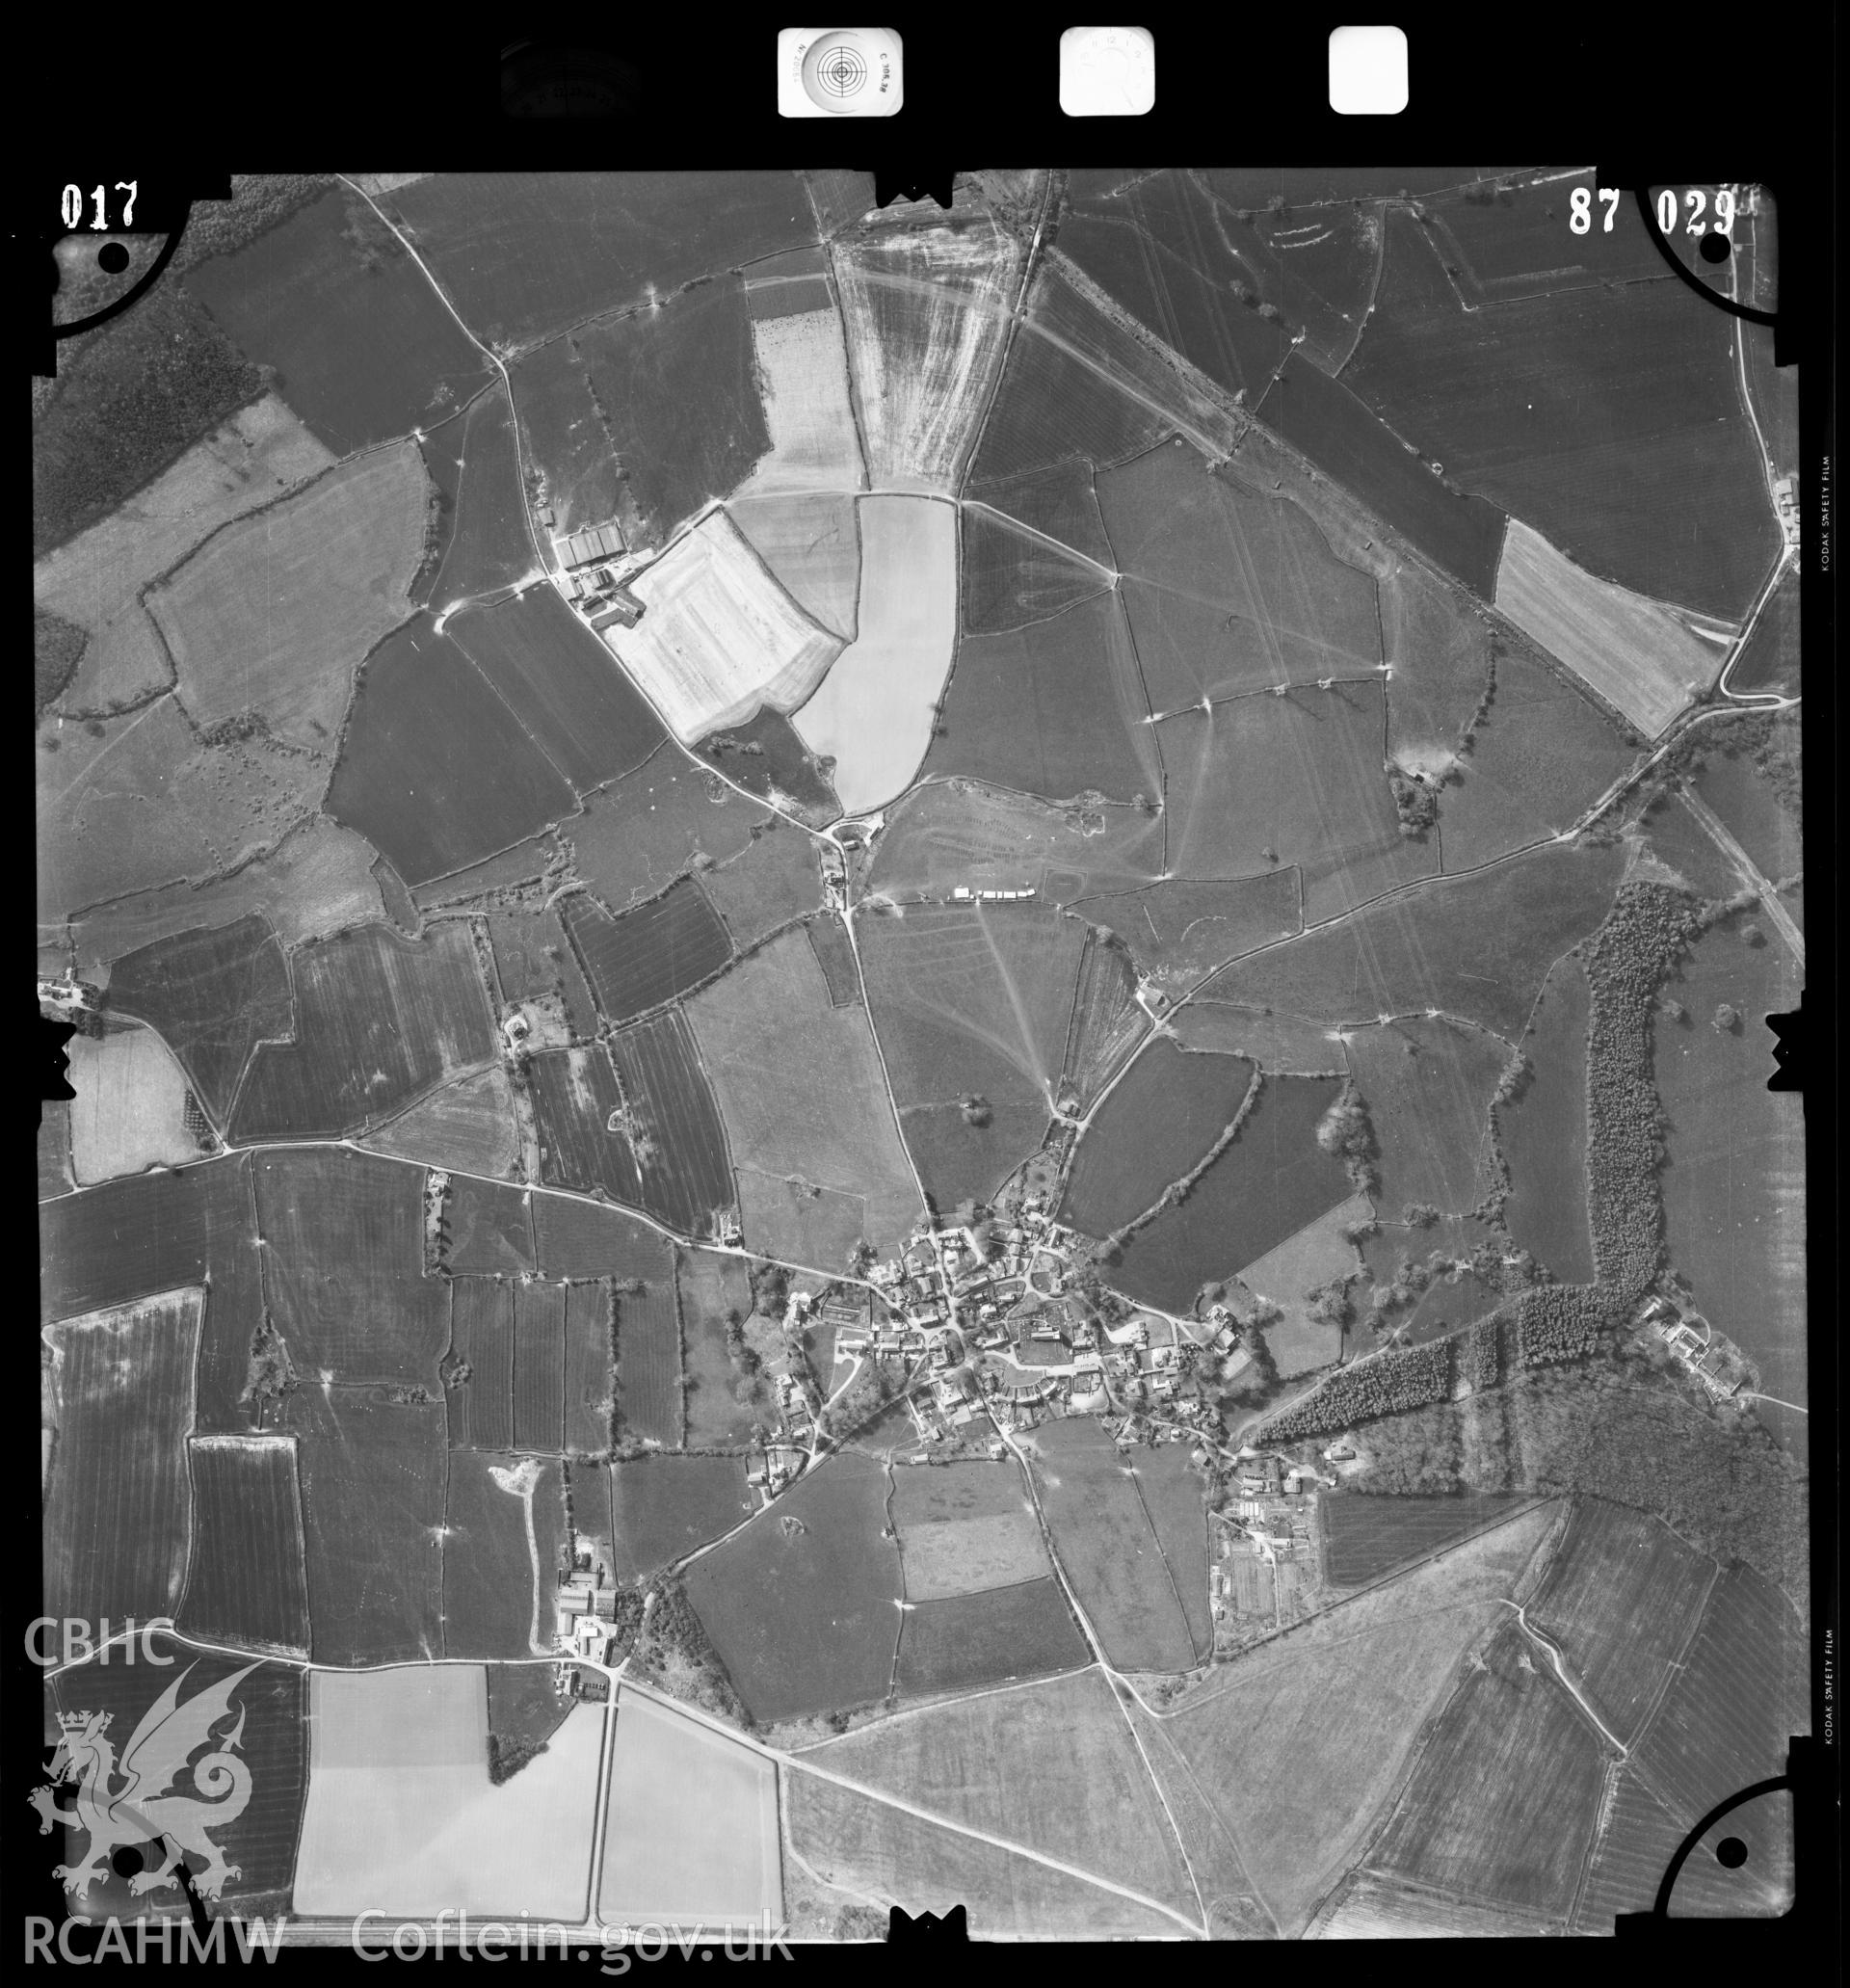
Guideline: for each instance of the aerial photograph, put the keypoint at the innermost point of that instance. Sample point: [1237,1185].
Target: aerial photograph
[919,1058]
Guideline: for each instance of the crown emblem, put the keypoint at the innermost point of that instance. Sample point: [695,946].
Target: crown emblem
[80,1721]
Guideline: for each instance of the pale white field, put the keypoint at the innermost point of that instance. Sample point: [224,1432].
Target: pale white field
[402,1818]
[129,1108]
[964,1556]
[926,312]
[1636,652]
[809,540]
[803,376]
[872,713]
[691,1833]
[720,636]
[95,580]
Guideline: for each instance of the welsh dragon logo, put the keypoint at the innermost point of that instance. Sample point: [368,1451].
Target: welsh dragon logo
[130,1801]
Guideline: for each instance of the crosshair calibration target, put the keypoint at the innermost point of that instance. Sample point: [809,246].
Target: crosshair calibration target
[842,71]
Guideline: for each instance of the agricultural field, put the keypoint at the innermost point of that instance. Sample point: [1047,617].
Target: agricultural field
[564,434]
[1267,1185]
[665,1507]
[1477,947]
[1607,468]
[583,1141]
[1316,1255]
[402,1815]
[213,996]
[274,614]
[1008,1762]
[648,1363]
[1078,387]
[800,1605]
[129,1112]
[1770,659]
[468,1126]
[1462,535]
[764,755]
[676,389]
[965,1642]
[94,581]
[540,1366]
[1160,1121]
[719,636]
[504,1536]
[119,1509]
[649,955]
[533,961]
[662,819]
[54,1148]
[870,719]
[372,1509]
[811,539]
[257,1843]
[835,954]
[1436,641]
[1056,708]
[127,803]
[966,1528]
[1542,1130]
[800,1089]
[575,1238]
[1733,1186]
[591,1373]
[1227,590]
[691,1835]
[674,1125]
[1000,840]
[1057,505]
[1742,1693]
[1427,1085]
[527,255]
[802,365]
[715,1293]
[548,667]
[925,311]
[1510,244]
[1297,1743]
[1172,1491]
[972,1003]
[1622,1596]
[1638,1838]
[1107,1023]
[480,1402]
[1283,1045]
[361,346]
[435,770]
[511,869]
[247,1583]
[1109,1549]
[867,1849]
[343,1237]
[1179,931]
[1753,812]
[1502,1805]
[1012,577]
[1538,759]
[490,1230]
[475,463]
[1261,780]
[1366,1538]
[381,1019]
[317,880]
[1637,655]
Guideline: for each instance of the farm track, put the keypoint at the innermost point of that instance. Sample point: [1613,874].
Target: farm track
[1718,832]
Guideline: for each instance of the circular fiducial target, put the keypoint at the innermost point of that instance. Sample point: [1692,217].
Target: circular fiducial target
[834,72]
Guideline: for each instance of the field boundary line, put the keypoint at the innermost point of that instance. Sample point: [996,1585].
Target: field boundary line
[950,1698]
[788,1842]
[1186,1766]
[1025,530]
[1675,1665]
[1722,837]
[1017,315]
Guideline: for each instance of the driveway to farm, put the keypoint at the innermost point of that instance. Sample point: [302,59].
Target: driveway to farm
[1545,1645]
[1718,833]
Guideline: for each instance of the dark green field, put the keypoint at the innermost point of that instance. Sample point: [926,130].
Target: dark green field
[1543,1132]
[663,1507]
[1364,1537]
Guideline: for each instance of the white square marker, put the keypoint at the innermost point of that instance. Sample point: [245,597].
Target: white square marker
[1367,71]
[839,72]
[1107,72]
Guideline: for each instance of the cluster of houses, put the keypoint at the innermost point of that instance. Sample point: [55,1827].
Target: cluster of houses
[593,582]
[1786,501]
[587,1605]
[1267,1519]
[1697,1347]
[963,894]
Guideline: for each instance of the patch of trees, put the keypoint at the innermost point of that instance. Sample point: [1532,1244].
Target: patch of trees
[1345,1131]
[1416,803]
[149,385]
[1557,1322]
[507,1757]
[1482,1353]
[977,1110]
[675,1640]
[56,648]
[269,1374]
[1385,1385]
[1627,961]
